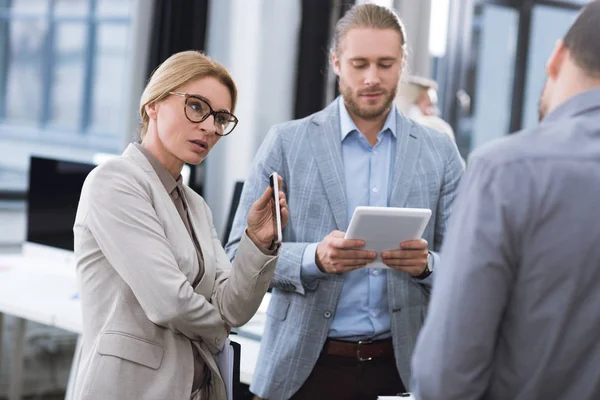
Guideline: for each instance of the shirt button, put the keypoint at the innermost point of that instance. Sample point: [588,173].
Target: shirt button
[375,190]
[327,314]
[375,272]
[374,314]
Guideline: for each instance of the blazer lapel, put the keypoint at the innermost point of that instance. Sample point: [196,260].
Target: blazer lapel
[407,152]
[134,153]
[326,144]
[198,218]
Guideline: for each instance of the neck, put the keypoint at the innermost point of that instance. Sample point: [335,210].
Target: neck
[370,128]
[154,145]
[574,82]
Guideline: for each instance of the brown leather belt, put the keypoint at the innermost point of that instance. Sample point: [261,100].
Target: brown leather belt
[364,350]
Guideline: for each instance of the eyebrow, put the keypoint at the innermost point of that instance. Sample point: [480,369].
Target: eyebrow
[389,58]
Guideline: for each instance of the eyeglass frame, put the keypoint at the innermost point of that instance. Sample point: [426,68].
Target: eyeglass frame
[212,112]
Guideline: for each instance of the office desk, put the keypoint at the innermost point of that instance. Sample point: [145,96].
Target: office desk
[36,289]
[44,289]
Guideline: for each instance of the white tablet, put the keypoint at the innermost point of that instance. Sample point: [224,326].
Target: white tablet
[384,228]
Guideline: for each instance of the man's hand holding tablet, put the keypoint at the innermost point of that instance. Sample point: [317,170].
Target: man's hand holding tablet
[395,235]
[411,257]
[336,255]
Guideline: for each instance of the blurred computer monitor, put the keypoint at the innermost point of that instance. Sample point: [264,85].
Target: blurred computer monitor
[54,191]
[52,199]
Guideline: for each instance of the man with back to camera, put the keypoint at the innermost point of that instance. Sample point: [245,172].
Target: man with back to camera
[515,312]
[335,329]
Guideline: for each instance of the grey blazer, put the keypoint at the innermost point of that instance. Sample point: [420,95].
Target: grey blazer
[135,265]
[308,155]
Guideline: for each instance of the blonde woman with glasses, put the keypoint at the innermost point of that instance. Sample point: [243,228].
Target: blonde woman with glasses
[158,293]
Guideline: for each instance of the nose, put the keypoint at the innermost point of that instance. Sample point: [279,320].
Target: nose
[208,125]
[372,75]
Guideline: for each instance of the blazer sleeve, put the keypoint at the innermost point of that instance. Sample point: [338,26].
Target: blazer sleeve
[453,172]
[270,158]
[240,288]
[121,217]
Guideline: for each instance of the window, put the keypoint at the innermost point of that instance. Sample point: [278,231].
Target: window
[63,66]
[498,27]
[567,2]
[548,24]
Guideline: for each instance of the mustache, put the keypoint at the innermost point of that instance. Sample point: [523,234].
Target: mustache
[373,90]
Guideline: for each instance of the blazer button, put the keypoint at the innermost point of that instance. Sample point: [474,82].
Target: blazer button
[327,314]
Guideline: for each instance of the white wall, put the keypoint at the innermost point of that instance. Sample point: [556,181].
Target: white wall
[416,17]
[257,40]
[137,65]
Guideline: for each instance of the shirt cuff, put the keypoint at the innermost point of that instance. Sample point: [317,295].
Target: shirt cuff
[310,271]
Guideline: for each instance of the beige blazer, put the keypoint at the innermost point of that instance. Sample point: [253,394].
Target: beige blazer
[135,265]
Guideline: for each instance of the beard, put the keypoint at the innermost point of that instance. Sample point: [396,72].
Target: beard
[367,113]
[543,103]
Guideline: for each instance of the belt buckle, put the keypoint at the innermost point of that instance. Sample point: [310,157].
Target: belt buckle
[358,345]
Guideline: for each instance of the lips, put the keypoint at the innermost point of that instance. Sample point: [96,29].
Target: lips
[371,95]
[201,144]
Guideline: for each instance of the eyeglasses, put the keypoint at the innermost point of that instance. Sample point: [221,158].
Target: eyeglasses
[197,109]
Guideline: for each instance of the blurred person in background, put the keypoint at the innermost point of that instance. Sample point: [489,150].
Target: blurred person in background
[158,292]
[515,312]
[417,98]
[334,329]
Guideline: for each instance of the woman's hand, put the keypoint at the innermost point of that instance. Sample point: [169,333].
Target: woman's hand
[261,218]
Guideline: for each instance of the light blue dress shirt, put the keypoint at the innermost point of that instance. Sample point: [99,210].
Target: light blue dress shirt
[362,311]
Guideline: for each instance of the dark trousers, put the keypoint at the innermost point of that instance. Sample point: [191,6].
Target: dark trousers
[346,378]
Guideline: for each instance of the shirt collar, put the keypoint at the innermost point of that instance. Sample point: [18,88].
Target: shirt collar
[347,126]
[576,105]
[165,177]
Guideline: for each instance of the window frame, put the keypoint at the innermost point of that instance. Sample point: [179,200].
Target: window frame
[460,39]
[45,131]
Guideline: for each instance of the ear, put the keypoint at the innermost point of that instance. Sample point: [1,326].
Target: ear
[555,61]
[151,110]
[335,61]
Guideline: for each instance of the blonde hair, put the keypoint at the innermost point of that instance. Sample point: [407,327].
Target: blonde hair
[410,89]
[179,70]
[367,16]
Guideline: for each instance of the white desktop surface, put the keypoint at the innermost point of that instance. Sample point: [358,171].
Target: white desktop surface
[43,289]
[39,290]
